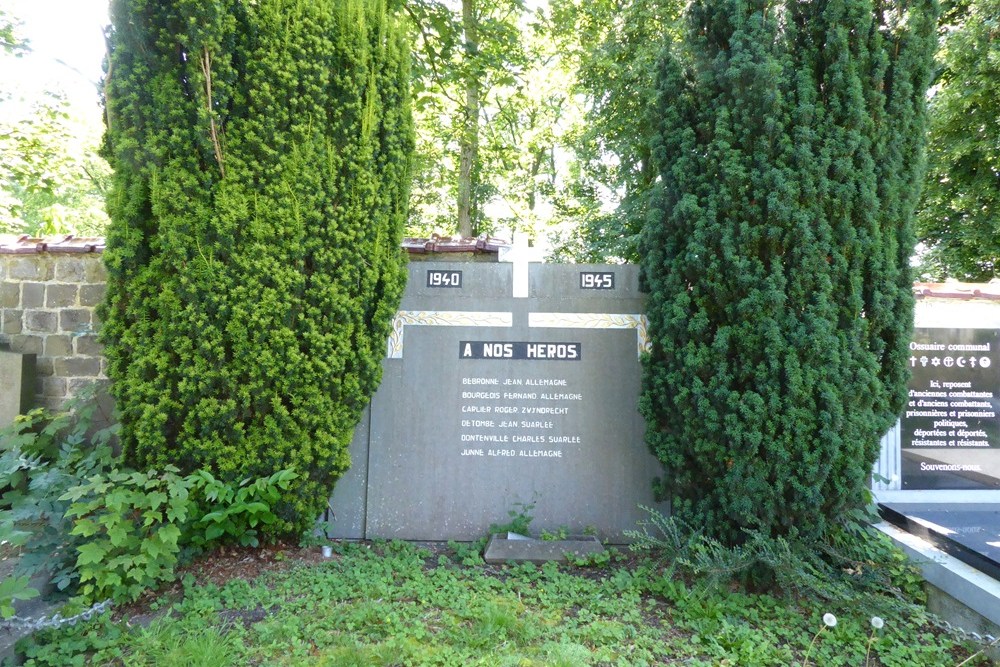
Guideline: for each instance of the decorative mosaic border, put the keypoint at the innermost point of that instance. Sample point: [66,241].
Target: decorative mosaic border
[441,318]
[595,321]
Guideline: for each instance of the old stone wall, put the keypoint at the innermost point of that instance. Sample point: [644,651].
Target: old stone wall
[48,295]
[51,286]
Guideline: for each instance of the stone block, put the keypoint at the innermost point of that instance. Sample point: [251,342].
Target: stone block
[58,346]
[71,269]
[505,547]
[77,366]
[95,271]
[26,344]
[51,403]
[30,267]
[17,388]
[76,385]
[346,515]
[91,295]
[32,295]
[75,320]
[89,346]
[462,433]
[12,322]
[53,386]
[10,295]
[43,366]
[42,321]
[60,296]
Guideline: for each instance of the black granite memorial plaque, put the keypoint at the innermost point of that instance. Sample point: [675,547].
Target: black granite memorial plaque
[951,423]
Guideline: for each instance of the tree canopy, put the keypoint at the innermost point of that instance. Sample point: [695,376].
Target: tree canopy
[612,47]
[52,179]
[959,216]
[486,112]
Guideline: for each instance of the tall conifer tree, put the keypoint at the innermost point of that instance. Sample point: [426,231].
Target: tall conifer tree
[777,255]
[261,154]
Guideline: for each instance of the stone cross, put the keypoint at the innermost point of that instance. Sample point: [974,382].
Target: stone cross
[520,255]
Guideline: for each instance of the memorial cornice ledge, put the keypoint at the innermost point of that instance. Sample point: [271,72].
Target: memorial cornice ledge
[24,244]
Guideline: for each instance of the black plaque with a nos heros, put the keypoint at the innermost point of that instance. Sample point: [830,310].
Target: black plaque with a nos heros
[506,350]
[951,423]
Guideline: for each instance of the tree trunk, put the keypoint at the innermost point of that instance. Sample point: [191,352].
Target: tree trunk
[469,144]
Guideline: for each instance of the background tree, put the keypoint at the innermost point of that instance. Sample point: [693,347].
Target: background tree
[11,42]
[561,144]
[959,216]
[261,154]
[470,64]
[51,177]
[789,142]
[611,46]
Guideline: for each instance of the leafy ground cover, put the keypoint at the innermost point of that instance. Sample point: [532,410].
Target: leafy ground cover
[402,604]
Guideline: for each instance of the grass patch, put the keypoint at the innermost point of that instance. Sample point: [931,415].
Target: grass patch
[393,604]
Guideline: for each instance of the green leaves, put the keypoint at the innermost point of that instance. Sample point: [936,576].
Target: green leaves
[776,251]
[132,544]
[43,457]
[613,47]
[91,554]
[959,211]
[260,190]
[11,589]
[489,97]
[51,178]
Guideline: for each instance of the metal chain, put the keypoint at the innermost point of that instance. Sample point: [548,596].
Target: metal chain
[56,621]
[982,639]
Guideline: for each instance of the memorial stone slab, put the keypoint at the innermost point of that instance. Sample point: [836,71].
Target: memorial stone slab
[496,397]
[503,549]
[17,385]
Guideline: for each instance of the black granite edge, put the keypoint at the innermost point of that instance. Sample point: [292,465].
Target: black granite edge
[970,557]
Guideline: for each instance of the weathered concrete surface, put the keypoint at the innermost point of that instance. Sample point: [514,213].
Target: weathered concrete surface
[958,593]
[501,549]
[17,385]
[473,419]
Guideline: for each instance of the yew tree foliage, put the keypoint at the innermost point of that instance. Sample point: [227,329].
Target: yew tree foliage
[776,254]
[261,154]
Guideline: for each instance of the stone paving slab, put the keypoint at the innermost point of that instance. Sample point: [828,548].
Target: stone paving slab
[502,549]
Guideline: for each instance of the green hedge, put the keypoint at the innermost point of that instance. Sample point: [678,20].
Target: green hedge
[777,254]
[262,159]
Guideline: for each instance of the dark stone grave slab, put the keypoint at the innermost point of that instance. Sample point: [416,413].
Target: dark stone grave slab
[503,548]
[492,402]
[968,531]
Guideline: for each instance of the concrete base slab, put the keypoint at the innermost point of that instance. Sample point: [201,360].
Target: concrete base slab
[501,549]
[970,600]
[968,531]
